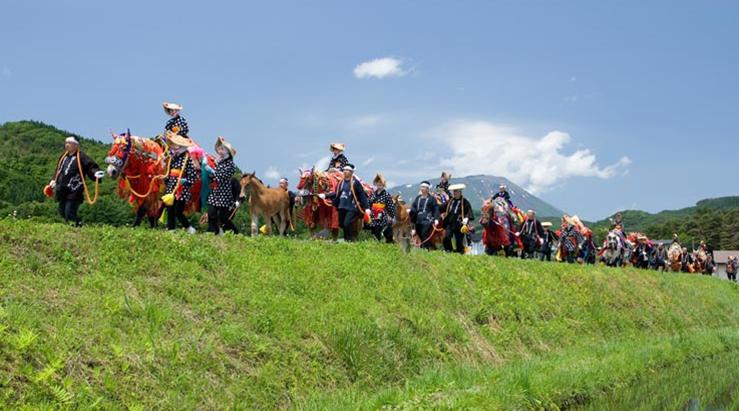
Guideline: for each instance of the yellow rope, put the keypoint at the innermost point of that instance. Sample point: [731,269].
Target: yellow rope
[84,184]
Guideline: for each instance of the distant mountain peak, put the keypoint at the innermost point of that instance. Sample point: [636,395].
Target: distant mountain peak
[481,186]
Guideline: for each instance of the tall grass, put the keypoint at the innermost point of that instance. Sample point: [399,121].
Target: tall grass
[120,318]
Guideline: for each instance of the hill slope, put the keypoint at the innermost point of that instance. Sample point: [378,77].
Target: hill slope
[113,318]
[715,220]
[481,187]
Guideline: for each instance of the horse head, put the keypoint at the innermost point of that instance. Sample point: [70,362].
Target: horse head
[118,154]
[306,179]
[613,241]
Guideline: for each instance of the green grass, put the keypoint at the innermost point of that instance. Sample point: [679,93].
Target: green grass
[116,318]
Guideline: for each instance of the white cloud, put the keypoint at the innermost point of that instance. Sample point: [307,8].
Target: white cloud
[368,161]
[363,122]
[538,164]
[272,173]
[380,68]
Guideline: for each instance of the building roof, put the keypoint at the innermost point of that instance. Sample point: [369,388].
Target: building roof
[722,256]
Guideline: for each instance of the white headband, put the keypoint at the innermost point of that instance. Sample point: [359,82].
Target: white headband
[425,185]
[71,140]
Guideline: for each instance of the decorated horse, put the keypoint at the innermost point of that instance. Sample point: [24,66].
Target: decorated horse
[271,204]
[317,213]
[139,165]
[499,222]
[673,257]
[613,249]
[699,260]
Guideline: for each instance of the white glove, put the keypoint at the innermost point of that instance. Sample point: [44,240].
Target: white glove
[436,222]
[99,174]
[413,232]
[322,196]
[367,211]
[237,204]
[52,184]
[465,221]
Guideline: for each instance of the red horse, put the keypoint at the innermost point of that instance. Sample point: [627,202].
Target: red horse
[499,227]
[139,165]
[320,214]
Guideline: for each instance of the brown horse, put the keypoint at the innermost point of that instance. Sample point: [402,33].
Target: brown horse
[402,226]
[267,203]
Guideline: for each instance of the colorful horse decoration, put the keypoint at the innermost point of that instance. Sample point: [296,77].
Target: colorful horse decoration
[320,214]
[141,164]
[500,221]
[613,249]
[138,163]
[569,249]
[673,257]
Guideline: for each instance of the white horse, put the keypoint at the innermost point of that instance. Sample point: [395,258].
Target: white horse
[614,254]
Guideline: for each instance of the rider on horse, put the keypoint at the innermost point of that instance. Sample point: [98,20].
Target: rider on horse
[443,185]
[338,160]
[383,211]
[425,216]
[503,193]
[457,214]
[176,123]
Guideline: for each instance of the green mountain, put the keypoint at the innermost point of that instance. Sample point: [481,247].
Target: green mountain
[481,187]
[715,220]
[30,151]
[116,318]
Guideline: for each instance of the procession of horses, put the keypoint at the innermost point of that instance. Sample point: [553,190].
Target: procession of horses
[169,177]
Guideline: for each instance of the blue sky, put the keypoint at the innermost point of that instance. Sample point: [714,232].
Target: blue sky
[596,106]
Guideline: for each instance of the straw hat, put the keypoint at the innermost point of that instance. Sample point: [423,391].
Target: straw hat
[178,140]
[379,179]
[546,224]
[337,146]
[221,142]
[455,187]
[171,106]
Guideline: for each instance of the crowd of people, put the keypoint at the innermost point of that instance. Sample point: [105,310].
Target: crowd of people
[438,218]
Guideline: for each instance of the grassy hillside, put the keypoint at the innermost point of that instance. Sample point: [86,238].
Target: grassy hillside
[117,318]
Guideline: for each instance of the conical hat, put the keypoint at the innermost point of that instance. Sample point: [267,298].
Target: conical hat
[171,106]
[338,146]
[178,140]
[222,142]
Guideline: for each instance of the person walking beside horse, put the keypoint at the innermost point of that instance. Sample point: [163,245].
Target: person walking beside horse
[68,184]
[383,211]
[425,216]
[547,239]
[456,215]
[181,177]
[531,235]
[221,198]
[349,199]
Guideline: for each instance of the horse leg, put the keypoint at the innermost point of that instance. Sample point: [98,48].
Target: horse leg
[254,223]
[283,222]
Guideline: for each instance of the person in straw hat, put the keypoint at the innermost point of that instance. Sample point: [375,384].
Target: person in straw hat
[221,199]
[382,209]
[443,185]
[68,185]
[571,239]
[503,193]
[338,159]
[643,252]
[176,123]
[547,240]
[457,214]
[182,175]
